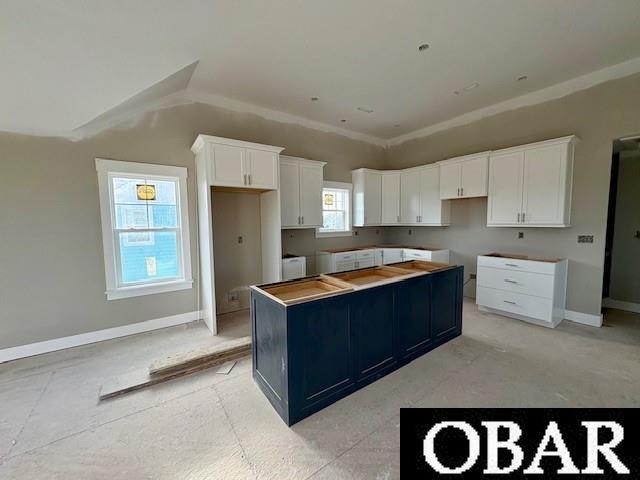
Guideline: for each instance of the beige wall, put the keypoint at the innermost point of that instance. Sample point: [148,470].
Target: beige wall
[598,116]
[237,264]
[625,265]
[51,262]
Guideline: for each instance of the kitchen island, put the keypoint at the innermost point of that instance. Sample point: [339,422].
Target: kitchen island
[320,338]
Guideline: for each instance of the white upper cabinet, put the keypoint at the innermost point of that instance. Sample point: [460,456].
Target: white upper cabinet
[301,192]
[367,197]
[420,202]
[530,185]
[433,211]
[464,177]
[262,171]
[227,165]
[390,198]
[238,164]
[410,197]
[311,179]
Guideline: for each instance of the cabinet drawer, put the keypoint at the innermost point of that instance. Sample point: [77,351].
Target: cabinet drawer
[537,284]
[363,254]
[525,305]
[344,256]
[345,266]
[417,255]
[517,264]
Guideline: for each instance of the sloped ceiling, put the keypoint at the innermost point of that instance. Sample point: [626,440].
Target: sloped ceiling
[76,65]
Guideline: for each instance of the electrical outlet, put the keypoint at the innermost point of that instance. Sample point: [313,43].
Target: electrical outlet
[585,238]
[472,276]
[410,231]
[520,234]
[232,297]
[355,232]
[240,239]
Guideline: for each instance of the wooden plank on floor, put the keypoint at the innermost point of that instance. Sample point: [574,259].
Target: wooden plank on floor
[140,379]
[201,356]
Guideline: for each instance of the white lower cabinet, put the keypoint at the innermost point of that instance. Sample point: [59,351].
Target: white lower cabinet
[521,287]
[392,255]
[293,267]
[440,256]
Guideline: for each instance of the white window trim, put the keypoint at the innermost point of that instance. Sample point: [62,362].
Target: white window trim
[346,233]
[105,169]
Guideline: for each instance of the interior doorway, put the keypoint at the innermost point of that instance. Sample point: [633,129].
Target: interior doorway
[621,282]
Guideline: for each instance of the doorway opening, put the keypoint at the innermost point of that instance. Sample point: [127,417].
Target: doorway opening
[621,282]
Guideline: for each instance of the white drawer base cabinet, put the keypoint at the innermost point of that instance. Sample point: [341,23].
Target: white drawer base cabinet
[526,288]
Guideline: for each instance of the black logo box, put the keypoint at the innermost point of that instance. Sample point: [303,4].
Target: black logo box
[452,446]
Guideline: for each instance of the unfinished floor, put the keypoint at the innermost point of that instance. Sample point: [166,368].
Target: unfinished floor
[211,426]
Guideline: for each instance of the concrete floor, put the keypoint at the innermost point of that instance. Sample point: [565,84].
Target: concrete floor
[214,426]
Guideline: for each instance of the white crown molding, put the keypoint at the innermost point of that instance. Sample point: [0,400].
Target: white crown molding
[278,116]
[553,92]
[62,343]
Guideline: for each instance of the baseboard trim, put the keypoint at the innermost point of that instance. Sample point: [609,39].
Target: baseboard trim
[583,318]
[38,348]
[621,305]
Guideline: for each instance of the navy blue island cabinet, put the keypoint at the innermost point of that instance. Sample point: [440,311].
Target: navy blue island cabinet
[318,339]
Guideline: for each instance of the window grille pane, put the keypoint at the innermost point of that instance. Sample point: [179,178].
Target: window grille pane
[145,257]
[163,216]
[165,192]
[131,216]
[125,190]
[333,220]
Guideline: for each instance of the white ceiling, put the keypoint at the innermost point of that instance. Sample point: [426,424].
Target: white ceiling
[66,62]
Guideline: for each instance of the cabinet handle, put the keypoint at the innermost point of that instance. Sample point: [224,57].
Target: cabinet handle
[518,217]
[461,191]
[510,281]
[244,178]
[510,303]
[523,217]
[298,220]
[398,219]
[302,220]
[512,265]
[249,179]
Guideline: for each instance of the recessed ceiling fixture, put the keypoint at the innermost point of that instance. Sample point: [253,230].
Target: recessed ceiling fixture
[521,78]
[314,99]
[397,125]
[471,87]
[343,120]
[423,47]
[365,109]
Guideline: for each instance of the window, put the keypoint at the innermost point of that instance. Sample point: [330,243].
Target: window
[336,210]
[145,228]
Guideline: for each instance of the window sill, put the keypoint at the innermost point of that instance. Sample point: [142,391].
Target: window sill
[137,291]
[333,234]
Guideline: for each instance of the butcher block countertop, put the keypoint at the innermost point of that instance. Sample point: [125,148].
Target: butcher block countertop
[369,247]
[321,286]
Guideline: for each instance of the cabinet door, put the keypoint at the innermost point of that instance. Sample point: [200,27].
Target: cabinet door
[446,303]
[374,332]
[505,189]
[289,194]
[544,186]
[449,180]
[325,365]
[409,197]
[414,315]
[473,177]
[227,166]
[391,198]
[431,207]
[263,169]
[372,198]
[311,196]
